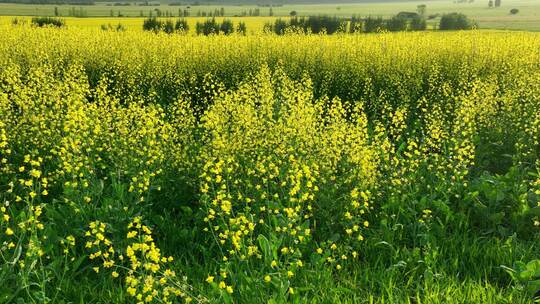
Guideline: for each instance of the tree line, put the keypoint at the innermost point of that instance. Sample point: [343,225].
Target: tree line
[207,27]
[331,24]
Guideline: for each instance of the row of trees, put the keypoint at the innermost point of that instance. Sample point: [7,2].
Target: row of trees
[398,23]
[331,25]
[208,27]
[211,26]
[167,26]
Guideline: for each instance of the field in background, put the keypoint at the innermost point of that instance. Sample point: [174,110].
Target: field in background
[253,24]
[496,18]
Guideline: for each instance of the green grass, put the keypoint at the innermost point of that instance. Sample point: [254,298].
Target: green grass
[495,18]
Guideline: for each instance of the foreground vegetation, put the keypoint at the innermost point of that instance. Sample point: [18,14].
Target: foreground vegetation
[398,168]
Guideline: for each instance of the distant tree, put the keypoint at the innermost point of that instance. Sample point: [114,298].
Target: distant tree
[181,26]
[455,21]
[241,28]
[418,24]
[222,11]
[208,27]
[47,21]
[356,25]
[497,3]
[293,14]
[168,27]
[111,13]
[141,14]
[372,25]
[396,24]
[514,11]
[56,13]
[226,27]
[490,3]
[421,10]
[271,13]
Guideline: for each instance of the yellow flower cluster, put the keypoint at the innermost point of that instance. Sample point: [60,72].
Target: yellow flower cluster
[269,153]
[147,279]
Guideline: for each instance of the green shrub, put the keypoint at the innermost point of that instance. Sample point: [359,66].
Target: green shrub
[152,24]
[227,27]
[168,27]
[418,24]
[455,21]
[396,24]
[181,25]
[241,28]
[17,21]
[373,25]
[356,24]
[207,27]
[48,21]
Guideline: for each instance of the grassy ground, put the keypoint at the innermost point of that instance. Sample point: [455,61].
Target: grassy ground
[496,18]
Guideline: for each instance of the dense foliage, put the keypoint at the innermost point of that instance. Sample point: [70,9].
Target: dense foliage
[167,26]
[456,21]
[331,25]
[212,27]
[48,21]
[395,168]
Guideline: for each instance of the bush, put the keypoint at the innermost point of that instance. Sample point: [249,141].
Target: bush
[418,24]
[330,25]
[17,21]
[312,24]
[154,25]
[210,26]
[356,25]
[109,27]
[396,24]
[455,21]
[181,26]
[168,27]
[514,11]
[227,27]
[241,29]
[48,21]
[207,27]
[120,28]
[373,25]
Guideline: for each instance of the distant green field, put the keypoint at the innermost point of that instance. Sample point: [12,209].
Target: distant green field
[496,18]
